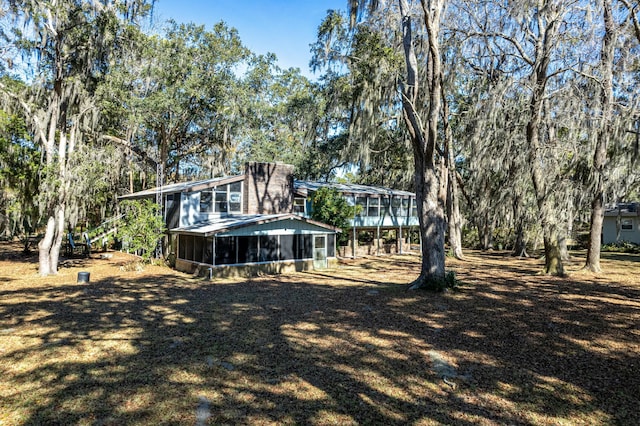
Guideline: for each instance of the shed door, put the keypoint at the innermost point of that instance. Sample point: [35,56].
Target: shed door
[320,252]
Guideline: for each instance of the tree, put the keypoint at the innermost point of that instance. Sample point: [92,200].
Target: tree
[430,178]
[66,46]
[535,44]
[141,227]
[361,118]
[279,110]
[175,101]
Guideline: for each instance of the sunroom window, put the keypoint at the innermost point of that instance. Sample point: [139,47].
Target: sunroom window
[374,205]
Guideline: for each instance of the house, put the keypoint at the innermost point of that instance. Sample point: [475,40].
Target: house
[382,211]
[621,223]
[260,221]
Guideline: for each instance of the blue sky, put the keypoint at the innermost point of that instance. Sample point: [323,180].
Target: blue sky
[283,27]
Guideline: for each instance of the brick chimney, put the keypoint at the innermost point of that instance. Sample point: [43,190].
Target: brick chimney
[268,188]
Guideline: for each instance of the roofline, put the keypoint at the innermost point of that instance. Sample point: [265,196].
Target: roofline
[268,219]
[193,186]
[377,191]
[621,213]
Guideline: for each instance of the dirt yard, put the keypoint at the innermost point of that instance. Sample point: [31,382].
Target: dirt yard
[344,346]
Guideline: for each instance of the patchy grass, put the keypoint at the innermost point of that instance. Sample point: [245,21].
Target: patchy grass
[344,346]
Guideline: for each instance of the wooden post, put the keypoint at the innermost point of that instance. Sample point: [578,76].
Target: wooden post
[213,254]
[355,239]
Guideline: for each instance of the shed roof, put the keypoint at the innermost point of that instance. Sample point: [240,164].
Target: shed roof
[229,223]
[193,186]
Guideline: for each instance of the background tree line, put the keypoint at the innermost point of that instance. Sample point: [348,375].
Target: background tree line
[513,120]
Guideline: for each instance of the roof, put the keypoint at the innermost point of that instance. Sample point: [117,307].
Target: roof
[229,223]
[623,209]
[193,186]
[304,187]
[300,187]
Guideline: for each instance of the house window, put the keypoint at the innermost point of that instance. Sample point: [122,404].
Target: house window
[221,200]
[414,208]
[228,198]
[247,249]
[374,207]
[384,206]
[206,202]
[299,205]
[395,207]
[361,206]
[235,197]
[405,207]
[331,245]
[287,247]
[626,224]
[225,250]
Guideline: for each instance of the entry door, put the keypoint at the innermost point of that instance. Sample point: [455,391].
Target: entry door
[320,252]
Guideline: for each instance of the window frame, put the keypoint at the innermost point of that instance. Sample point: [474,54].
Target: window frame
[373,205]
[299,202]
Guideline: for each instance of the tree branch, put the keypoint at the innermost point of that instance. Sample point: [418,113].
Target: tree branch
[136,150]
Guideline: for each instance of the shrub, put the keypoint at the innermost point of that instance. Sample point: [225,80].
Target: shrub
[141,228]
[621,247]
[330,207]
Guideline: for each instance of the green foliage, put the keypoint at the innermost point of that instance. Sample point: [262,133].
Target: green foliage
[179,98]
[389,237]
[503,238]
[365,238]
[330,207]
[621,247]
[19,159]
[141,227]
[280,109]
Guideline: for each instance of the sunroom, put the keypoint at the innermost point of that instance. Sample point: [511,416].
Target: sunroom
[253,244]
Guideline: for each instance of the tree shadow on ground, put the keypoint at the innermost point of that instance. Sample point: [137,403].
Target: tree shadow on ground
[320,349]
[623,257]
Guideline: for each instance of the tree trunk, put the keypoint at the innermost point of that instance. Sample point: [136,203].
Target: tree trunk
[520,246]
[600,154]
[432,225]
[485,231]
[454,218]
[544,198]
[49,246]
[552,253]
